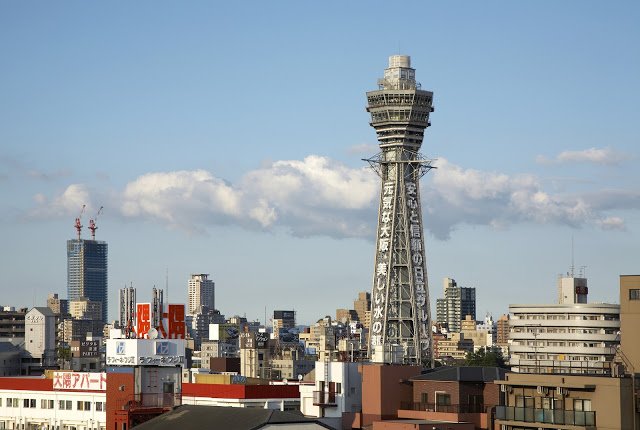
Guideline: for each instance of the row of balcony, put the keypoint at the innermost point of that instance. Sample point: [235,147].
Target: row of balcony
[324,398]
[546,416]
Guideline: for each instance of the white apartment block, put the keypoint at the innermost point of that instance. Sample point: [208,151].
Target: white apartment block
[563,338]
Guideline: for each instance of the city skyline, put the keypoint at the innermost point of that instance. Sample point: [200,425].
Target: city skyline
[228,140]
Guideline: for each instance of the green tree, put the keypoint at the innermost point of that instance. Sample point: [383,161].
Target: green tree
[489,356]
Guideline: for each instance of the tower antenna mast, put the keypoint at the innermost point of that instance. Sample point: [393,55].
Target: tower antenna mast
[78,224]
[92,223]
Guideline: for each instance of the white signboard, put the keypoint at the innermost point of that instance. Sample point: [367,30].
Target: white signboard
[91,381]
[150,352]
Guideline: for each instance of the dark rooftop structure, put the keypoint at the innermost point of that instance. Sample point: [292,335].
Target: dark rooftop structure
[187,417]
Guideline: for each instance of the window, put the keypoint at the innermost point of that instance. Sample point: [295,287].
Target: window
[634,294]
[83,406]
[581,405]
[99,406]
[442,400]
[46,404]
[65,405]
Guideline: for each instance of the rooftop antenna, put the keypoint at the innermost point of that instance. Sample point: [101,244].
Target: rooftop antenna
[78,224]
[166,282]
[572,260]
[92,223]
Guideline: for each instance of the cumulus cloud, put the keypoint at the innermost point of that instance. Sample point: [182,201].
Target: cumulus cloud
[69,201]
[319,196]
[612,223]
[468,196]
[605,156]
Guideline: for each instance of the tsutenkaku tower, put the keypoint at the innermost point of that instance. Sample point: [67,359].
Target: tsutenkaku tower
[400,330]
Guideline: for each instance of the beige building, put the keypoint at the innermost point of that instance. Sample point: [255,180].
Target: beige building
[57,305]
[201,291]
[630,321]
[480,338]
[83,308]
[455,347]
[534,401]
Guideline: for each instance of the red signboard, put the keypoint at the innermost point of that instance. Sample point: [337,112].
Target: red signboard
[143,319]
[176,324]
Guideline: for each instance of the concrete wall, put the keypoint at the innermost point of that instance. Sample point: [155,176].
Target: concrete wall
[384,387]
[630,320]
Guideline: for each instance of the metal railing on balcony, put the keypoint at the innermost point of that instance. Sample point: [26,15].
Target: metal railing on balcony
[434,407]
[546,416]
[324,398]
[150,400]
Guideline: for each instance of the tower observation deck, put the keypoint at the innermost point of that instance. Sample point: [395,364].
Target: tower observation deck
[400,309]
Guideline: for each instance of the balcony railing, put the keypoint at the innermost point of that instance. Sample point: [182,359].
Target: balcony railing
[323,398]
[433,407]
[547,416]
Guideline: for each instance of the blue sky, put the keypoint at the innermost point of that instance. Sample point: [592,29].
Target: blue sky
[226,138]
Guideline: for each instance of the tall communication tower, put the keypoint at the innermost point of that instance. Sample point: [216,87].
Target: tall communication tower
[400,309]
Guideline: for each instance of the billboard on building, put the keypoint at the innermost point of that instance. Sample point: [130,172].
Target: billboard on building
[80,381]
[135,352]
[175,322]
[224,332]
[143,319]
[87,348]
[254,340]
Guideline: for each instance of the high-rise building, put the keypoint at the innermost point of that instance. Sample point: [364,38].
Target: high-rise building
[87,272]
[400,311]
[201,293]
[458,302]
[362,305]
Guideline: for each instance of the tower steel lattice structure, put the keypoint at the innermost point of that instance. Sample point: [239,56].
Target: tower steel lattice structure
[400,309]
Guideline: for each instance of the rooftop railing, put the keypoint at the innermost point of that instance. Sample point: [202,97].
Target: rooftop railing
[546,416]
[434,407]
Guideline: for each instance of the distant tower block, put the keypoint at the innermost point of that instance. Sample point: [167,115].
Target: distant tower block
[400,310]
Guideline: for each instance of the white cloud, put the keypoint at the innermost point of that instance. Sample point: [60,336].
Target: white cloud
[318,196]
[605,156]
[70,201]
[612,223]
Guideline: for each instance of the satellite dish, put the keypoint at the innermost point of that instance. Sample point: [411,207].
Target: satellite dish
[152,333]
[299,377]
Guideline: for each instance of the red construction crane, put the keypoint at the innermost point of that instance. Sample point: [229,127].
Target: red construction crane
[78,222]
[92,224]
